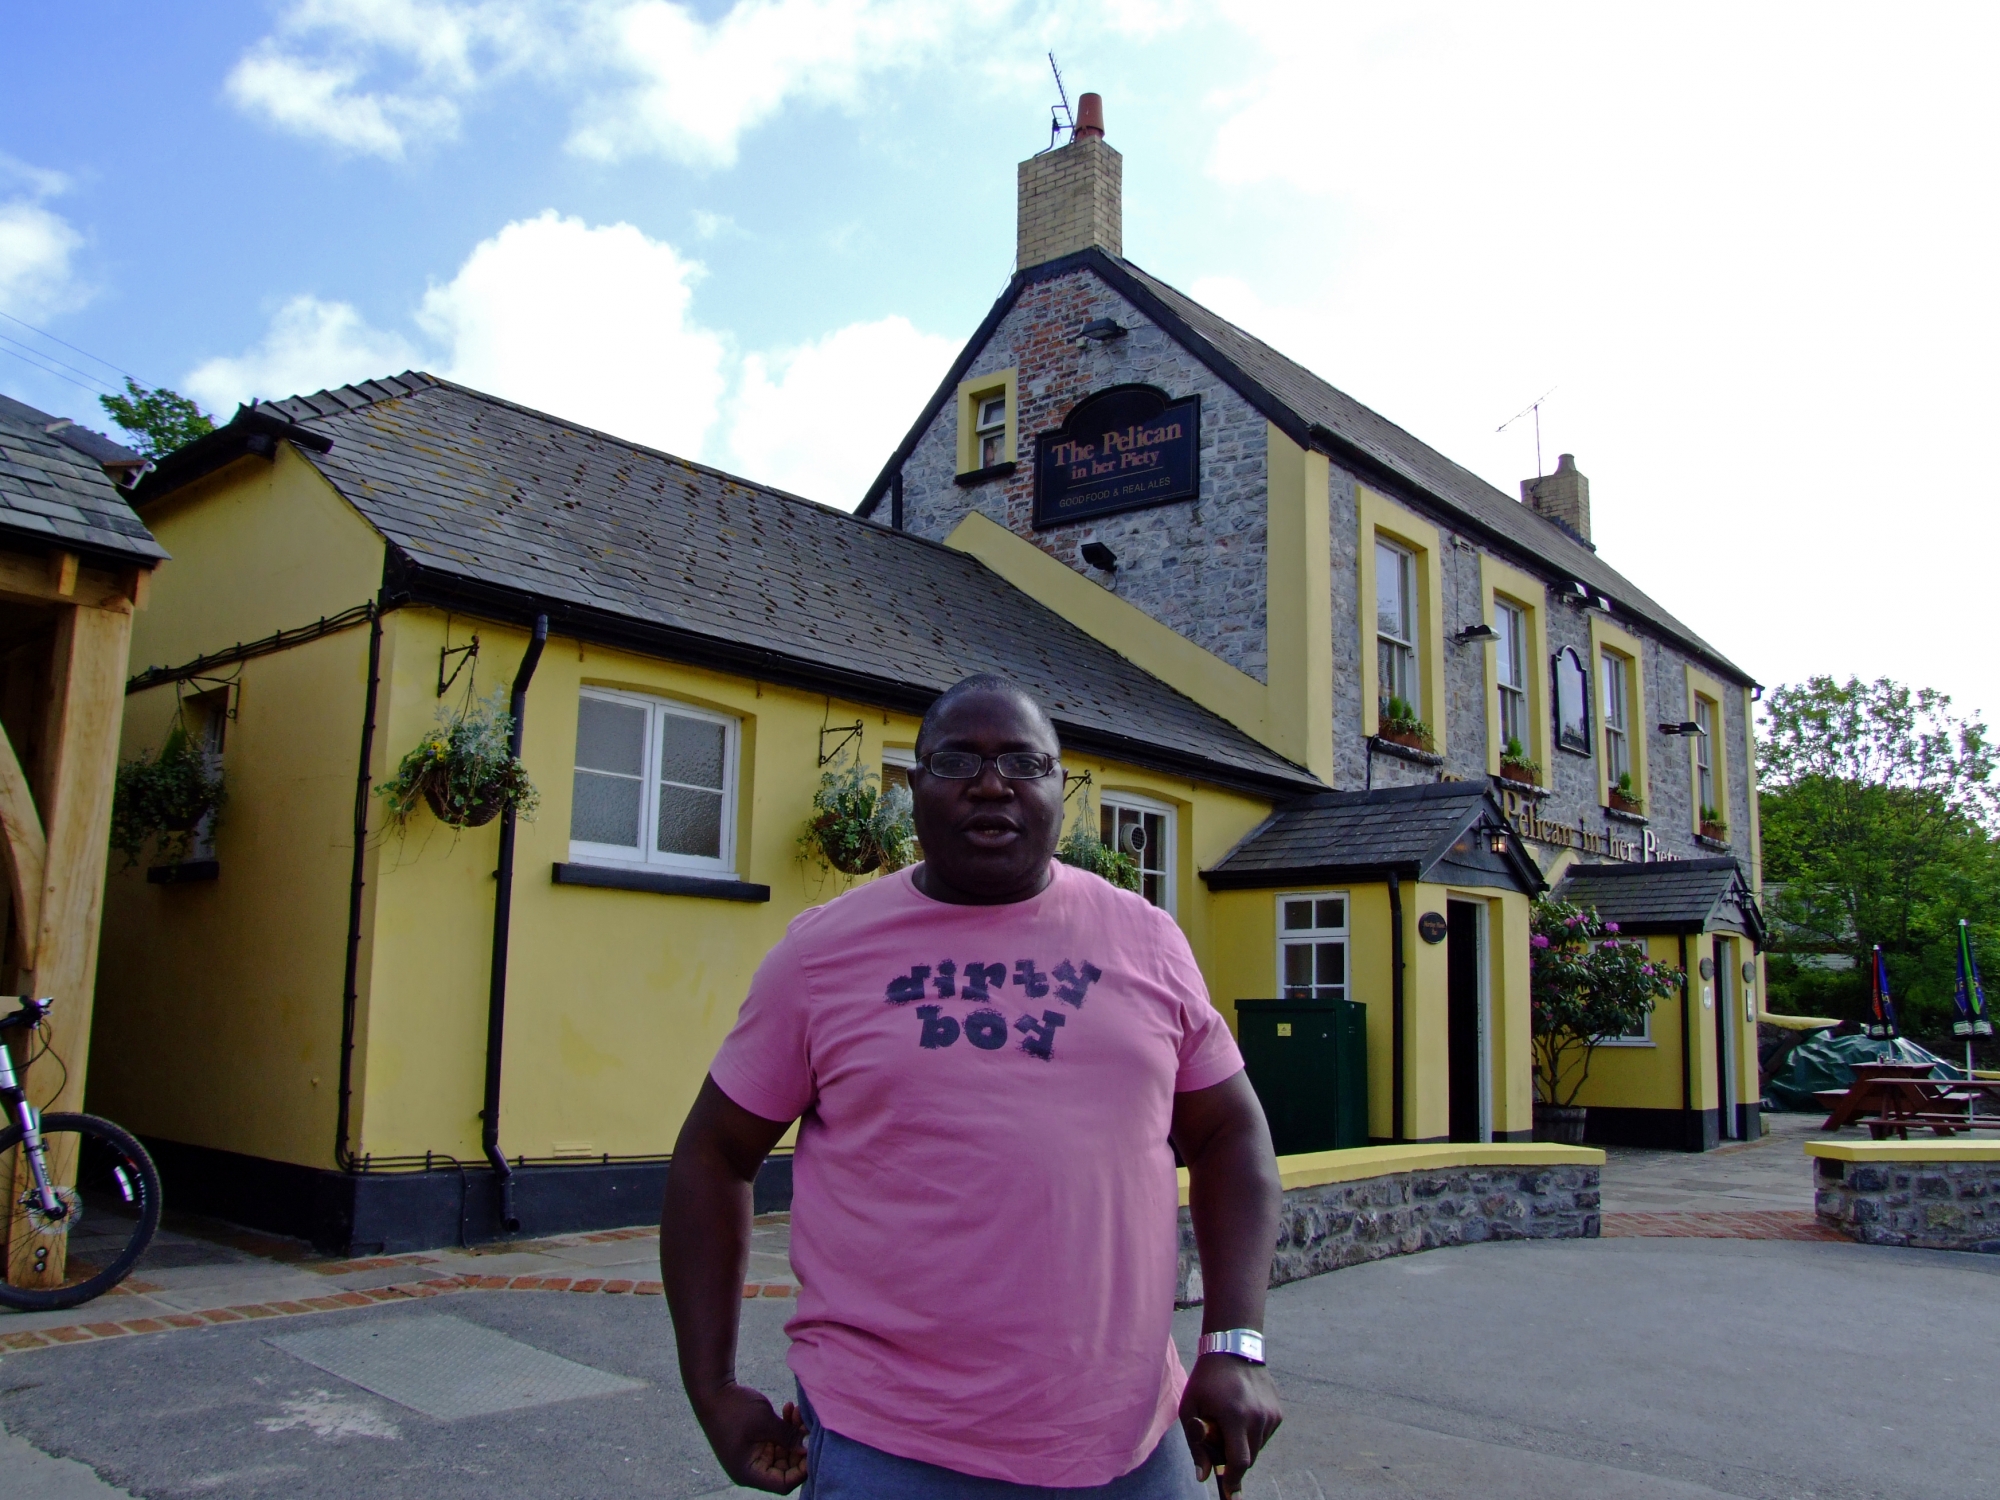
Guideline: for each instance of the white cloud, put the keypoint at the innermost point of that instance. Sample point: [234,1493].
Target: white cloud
[821,419]
[311,345]
[590,324]
[38,275]
[646,77]
[320,101]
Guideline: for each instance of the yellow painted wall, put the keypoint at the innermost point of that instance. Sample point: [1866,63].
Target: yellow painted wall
[1000,383]
[1244,966]
[1380,515]
[258,547]
[618,999]
[1298,604]
[1647,1075]
[218,1003]
[1604,636]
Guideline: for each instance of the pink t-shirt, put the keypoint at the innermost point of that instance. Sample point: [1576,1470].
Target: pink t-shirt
[983,1208]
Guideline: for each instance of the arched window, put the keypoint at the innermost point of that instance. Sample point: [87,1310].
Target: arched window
[1572,702]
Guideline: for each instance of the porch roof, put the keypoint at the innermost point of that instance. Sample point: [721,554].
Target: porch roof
[1683,895]
[54,493]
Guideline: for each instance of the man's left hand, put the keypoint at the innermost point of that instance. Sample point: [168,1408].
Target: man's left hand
[1229,1411]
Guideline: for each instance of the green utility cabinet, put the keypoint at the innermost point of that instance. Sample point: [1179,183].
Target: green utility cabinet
[1308,1061]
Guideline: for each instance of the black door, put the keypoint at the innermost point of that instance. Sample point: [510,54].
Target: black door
[1462,1004]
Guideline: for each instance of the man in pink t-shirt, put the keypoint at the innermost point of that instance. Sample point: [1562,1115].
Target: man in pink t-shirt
[987,1056]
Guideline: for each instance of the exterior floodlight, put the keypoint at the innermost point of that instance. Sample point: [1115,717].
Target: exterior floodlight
[1100,556]
[1686,726]
[1102,331]
[1477,635]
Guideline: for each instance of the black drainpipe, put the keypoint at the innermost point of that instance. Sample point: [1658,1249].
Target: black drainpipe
[503,911]
[342,1156]
[1396,998]
[1688,1125]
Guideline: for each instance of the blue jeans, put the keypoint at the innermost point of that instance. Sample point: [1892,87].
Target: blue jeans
[838,1468]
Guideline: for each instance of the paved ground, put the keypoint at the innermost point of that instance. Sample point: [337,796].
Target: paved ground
[1624,1367]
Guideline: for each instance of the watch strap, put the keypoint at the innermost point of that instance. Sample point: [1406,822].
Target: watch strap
[1244,1343]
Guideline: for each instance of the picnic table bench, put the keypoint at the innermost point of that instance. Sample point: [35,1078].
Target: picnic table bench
[1891,1097]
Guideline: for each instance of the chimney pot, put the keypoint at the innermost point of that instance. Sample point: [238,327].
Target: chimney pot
[1089,118]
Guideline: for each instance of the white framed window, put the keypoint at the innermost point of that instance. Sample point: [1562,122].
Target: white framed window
[655,784]
[1510,668]
[1144,829]
[1312,947]
[1704,755]
[1396,626]
[990,431]
[1643,1037]
[1617,718]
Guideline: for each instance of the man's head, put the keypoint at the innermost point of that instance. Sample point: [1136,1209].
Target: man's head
[986,838]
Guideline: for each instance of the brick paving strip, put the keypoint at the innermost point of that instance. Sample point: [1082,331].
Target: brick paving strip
[438,1286]
[1761,1224]
[435,1286]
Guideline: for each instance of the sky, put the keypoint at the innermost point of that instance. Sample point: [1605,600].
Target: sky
[1743,256]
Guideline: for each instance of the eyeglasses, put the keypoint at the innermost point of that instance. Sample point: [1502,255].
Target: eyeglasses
[963,765]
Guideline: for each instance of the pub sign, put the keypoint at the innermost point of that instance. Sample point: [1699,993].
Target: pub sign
[1124,448]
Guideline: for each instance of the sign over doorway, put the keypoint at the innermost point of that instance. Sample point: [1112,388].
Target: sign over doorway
[1124,448]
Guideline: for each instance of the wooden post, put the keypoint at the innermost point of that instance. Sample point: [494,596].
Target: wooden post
[79,767]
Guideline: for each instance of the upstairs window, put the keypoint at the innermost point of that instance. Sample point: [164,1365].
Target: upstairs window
[1510,665]
[1312,947]
[990,431]
[655,784]
[1396,628]
[1704,756]
[1572,702]
[1144,830]
[1617,718]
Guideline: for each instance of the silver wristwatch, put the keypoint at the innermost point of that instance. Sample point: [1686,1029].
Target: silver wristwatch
[1244,1343]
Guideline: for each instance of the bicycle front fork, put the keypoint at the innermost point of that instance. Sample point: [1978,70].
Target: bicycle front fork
[32,1148]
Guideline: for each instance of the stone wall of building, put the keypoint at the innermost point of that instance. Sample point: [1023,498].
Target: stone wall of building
[1346,1223]
[1196,566]
[1928,1205]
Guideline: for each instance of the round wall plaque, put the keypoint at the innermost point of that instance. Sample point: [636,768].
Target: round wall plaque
[1750,971]
[1432,927]
[1708,968]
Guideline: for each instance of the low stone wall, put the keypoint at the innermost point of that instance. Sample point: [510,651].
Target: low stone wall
[1345,1207]
[1942,1195]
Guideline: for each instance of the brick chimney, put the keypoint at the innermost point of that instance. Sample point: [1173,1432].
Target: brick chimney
[1072,198]
[1564,497]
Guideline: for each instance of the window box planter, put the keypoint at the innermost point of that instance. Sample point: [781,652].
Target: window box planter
[1521,773]
[1409,739]
[1713,832]
[1621,802]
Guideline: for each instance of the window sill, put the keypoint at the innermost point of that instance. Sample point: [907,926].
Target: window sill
[1622,816]
[980,476]
[1708,843]
[1405,752]
[659,882]
[1635,1041]
[1524,788]
[185,873]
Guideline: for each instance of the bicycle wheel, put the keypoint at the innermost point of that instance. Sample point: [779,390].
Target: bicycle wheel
[113,1209]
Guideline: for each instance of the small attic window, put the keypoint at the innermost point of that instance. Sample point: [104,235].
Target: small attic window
[990,430]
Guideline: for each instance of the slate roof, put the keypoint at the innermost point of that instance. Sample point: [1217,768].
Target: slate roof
[54,494]
[1408,830]
[488,505]
[1315,414]
[1684,895]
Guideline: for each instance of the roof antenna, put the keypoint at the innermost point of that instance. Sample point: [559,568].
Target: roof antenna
[1534,406]
[1060,117]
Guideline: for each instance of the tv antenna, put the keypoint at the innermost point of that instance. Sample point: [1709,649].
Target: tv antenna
[1534,406]
[1060,116]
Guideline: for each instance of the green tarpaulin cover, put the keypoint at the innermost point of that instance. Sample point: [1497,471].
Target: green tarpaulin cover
[1827,1063]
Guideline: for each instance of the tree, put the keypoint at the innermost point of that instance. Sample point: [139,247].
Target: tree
[158,420]
[1879,813]
[1585,985]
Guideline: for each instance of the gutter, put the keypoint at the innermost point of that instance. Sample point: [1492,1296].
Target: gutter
[343,1157]
[1396,1001]
[503,913]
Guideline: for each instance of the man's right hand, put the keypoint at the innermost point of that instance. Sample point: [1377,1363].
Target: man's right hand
[759,1448]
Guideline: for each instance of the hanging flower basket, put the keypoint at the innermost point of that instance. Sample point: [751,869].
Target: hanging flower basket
[463,770]
[858,826]
[164,797]
[1082,848]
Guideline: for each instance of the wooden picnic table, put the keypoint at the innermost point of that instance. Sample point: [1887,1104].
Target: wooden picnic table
[1890,1103]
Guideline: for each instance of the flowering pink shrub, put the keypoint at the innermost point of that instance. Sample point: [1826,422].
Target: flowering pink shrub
[1585,985]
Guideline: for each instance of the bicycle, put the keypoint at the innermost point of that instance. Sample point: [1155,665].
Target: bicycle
[107,1218]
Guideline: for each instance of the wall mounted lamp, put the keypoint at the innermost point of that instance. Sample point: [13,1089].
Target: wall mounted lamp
[1686,726]
[1100,556]
[1481,634]
[1102,330]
